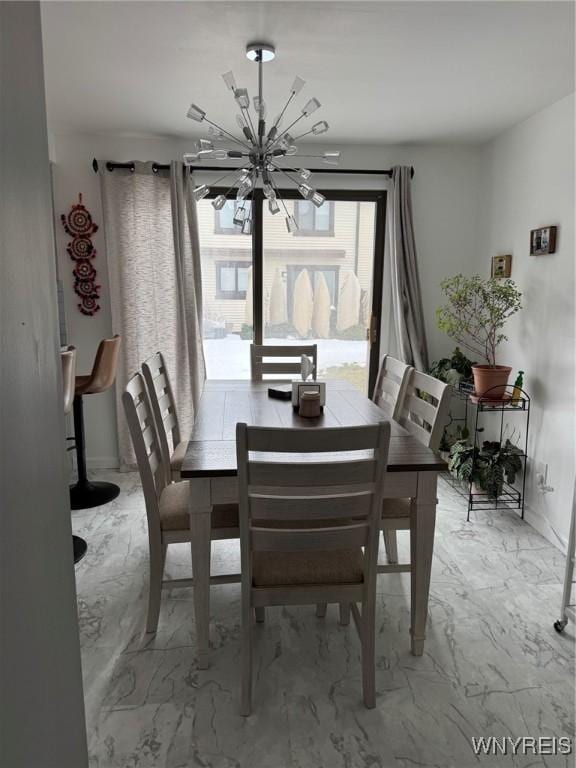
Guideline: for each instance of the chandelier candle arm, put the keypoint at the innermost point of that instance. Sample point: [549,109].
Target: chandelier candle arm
[238,171]
[230,136]
[245,127]
[252,128]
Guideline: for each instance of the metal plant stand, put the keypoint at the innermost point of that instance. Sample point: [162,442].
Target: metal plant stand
[500,409]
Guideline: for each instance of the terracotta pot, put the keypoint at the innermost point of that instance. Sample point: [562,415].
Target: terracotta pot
[486,377]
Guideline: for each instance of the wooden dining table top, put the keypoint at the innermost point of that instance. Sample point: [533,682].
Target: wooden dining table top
[211,450]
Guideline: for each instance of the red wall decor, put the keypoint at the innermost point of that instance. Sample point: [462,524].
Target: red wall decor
[79,225]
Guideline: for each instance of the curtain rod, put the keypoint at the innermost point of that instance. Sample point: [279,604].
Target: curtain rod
[110,166]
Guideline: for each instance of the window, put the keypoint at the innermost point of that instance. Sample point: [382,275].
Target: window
[232,279]
[223,219]
[312,221]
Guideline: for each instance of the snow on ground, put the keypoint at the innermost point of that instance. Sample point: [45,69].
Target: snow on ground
[229,358]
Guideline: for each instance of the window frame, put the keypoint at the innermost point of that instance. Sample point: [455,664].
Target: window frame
[236,294]
[303,232]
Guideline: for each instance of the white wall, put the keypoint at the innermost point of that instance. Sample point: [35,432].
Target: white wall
[445,196]
[41,703]
[528,182]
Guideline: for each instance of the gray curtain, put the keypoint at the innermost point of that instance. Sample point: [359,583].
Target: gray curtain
[153,256]
[404,333]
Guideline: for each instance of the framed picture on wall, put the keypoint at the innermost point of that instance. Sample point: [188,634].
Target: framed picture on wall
[543,241]
[501,266]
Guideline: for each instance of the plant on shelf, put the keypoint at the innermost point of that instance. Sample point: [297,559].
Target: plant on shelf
[475,314]
[453,369]
[449,438]
[487,467]
[463,461]
[496,463]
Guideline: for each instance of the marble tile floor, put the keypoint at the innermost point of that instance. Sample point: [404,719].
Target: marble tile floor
[493,664]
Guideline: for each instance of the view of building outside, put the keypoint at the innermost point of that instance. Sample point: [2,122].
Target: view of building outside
[317,286]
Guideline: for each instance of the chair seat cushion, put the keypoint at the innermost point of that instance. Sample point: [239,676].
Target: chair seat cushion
[396,508]
[177,458]
[82,385]
[276,569]
[174,514]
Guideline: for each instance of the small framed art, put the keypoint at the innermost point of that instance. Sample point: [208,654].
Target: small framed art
[542,241]
[501,266]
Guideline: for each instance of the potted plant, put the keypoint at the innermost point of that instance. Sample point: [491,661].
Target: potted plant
[453,369]
[463,461]
[496,462]
[474,315]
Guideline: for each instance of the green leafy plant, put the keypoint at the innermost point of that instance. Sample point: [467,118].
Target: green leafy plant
[449,369]
[449,438]
[477,311]
[488,466]
[462,461]
[497,462]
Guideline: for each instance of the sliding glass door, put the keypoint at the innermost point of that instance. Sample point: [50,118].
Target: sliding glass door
[321,285]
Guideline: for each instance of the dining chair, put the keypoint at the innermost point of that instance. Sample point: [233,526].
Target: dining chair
[303,523]
[166,503]
[424,413]
[390,386]
[173,448]
[293,354]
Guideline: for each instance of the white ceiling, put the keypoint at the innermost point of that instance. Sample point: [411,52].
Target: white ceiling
[385,72]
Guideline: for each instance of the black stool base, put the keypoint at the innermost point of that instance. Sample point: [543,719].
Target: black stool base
[92,494]
[80,548]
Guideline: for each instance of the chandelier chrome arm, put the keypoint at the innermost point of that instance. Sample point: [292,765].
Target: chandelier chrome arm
[284,108]
[230,136]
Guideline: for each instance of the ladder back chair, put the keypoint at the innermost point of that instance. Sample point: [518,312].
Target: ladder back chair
[166,503]
[303,523]
[292,354]
[165,414]
[391,385]
[425,419]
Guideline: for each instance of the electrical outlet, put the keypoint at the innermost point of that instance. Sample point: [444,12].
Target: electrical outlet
[541,477]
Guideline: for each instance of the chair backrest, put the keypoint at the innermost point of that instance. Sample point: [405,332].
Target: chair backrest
[391,385]
[68,360]
[343,482]
[425,417]
[105,364]
[146,444]
[291,363]
[163,405]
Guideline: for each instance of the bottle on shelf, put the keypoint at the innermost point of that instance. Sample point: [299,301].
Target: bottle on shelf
[517,391]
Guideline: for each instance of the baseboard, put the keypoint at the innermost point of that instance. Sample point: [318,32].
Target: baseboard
[102,462]
[540,524]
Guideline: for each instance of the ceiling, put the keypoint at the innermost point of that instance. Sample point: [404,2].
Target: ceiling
[385,72]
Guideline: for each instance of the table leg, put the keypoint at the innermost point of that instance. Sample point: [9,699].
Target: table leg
[422,547]
[200,523]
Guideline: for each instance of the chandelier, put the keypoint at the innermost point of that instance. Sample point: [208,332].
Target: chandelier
[259,148]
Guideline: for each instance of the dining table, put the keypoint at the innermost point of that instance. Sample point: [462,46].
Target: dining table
[210,467]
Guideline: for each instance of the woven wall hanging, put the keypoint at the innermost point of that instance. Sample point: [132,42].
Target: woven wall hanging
[79,225]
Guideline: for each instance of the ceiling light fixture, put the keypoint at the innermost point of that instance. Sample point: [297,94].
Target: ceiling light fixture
[259,147]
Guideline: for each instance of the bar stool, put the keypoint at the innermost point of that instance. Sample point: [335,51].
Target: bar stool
[68,360]
[86,493]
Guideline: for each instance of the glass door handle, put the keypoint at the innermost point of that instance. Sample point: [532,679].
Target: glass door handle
[372,330]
